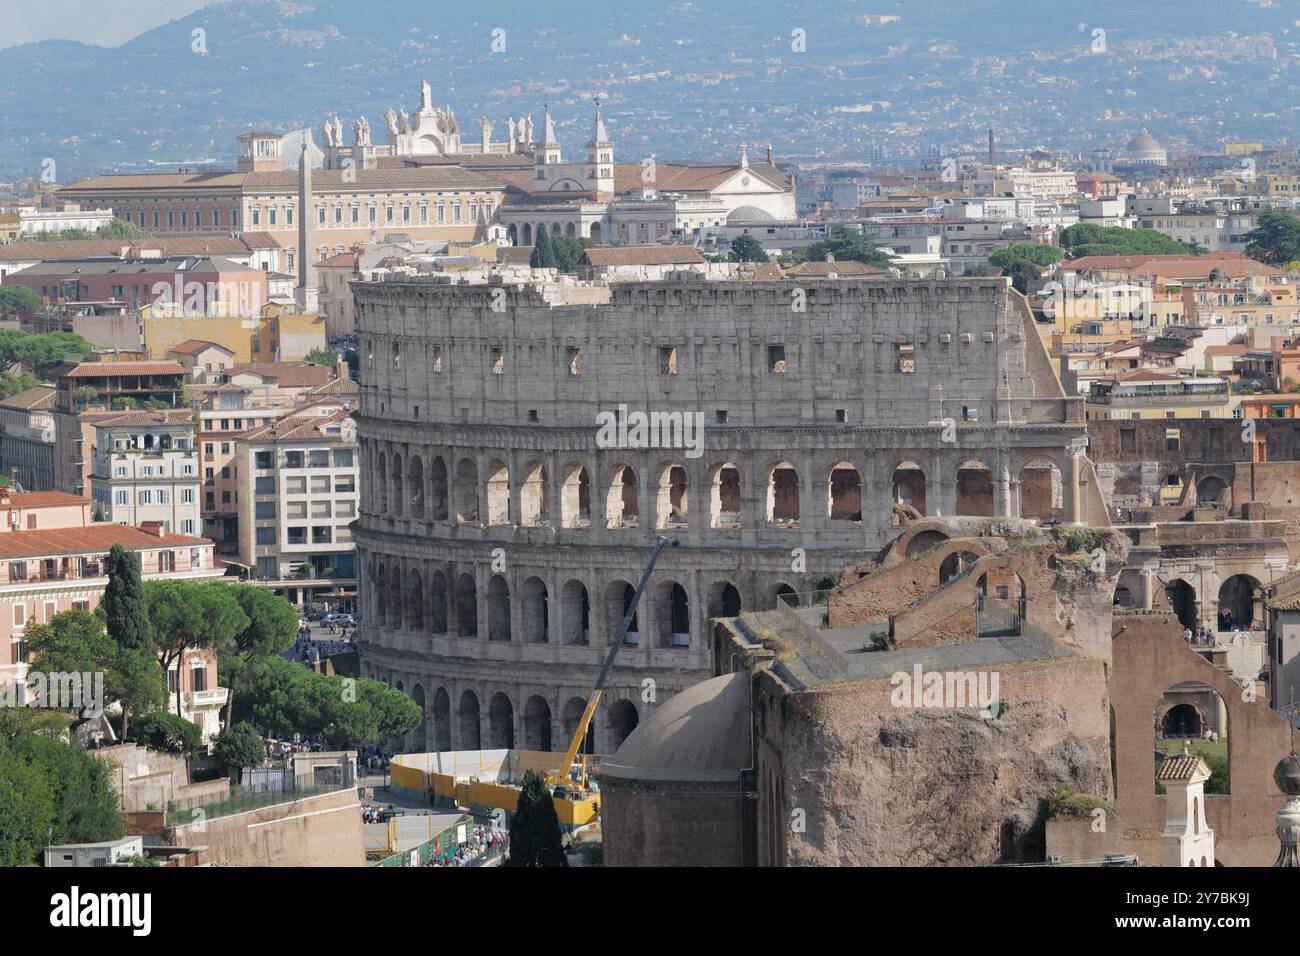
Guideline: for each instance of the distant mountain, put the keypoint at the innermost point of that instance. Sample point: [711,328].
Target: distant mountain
[682,80]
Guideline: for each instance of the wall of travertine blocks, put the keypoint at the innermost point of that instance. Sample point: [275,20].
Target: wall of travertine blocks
[489,508]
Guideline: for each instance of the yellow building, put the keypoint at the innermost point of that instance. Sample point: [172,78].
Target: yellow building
[277,334]
[1148,394]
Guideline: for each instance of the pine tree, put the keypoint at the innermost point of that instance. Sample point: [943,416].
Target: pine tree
[535,829]
[543,256]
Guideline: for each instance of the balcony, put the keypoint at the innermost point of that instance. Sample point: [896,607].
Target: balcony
[203,699]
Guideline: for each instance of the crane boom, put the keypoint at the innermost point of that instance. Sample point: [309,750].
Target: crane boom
[562,775]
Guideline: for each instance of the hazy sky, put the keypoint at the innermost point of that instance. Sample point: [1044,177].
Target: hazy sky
[102,22]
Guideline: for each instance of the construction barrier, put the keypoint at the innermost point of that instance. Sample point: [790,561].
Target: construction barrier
[441,846]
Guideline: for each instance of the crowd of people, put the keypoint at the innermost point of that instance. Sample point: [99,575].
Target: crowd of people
[371,814]
[372,760]
[481,844]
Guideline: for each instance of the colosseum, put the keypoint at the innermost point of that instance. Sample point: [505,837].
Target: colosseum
[504,523]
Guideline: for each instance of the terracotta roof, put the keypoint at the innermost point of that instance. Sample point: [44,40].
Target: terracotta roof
[286,180]
[299,428]
[1238,349]
[193,245]
[1183,767]
[44,499]
[288,374]
[141,417]
[195,346]
[30,399]
[1146,375]
[102,369]
[93,539]
[342,259]
[642,255]
[847,268]
[680,178]
[515,255]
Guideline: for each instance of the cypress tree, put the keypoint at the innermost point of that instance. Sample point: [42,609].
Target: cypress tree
[543,256]
[535,829]
[126,616]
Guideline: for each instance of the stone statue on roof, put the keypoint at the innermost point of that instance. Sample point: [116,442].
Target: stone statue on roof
[327,130]
[404,121]
[361,131]
[390,117]
[426,96]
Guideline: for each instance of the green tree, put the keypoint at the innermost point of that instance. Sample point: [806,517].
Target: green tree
[271,630]
[17,300]
[535,829]
[323,356]
[238,748]
[190,614]
[26,811]
[569,251]
[1024,275]
[1275,238]
[543,256]
[977,272]
[746,249]
[1088,239]
[1038,254]
[76,642]
[13,383]
[848,245]
[163,730]
[126,617]
[41,352]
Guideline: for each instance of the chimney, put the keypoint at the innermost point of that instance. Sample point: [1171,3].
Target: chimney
[154,528]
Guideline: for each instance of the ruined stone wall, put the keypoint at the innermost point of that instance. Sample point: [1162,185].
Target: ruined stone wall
[649,823]
[489,509]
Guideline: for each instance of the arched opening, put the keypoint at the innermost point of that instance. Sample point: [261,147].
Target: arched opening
[469,722]
[783,495]
[672,613]
[959,562]
[595,233]
[672,496]
[1000,603]
[536,611]
[416,740]
[1240,603]
[466,606]
[415,485]
[974,489]
[381,481]
[618,601]
[623,719]
[394,609]
[537,724]
[1192,715]
[925,540]
[498,493]
[726,508]
[381,595]
[534,496]
[438,603]
[1182,599]
[622,509]
[438,490]
[465,491]
[1210,492]
[399,487]
[512,233]
[572,717]
[528,234]
[724,600]
[1170,491]
[501,723]
[575,498]
[498,609]
[575,613]
[1123,597]
[1042,492]
[844,493]
[441,721]
[415,601]
[908,483]
[783,593]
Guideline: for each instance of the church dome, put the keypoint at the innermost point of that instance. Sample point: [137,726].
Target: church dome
[1144,148]
[701,734]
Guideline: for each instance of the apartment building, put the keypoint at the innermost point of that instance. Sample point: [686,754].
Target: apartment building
[27,437]
[297,488]
[145,468]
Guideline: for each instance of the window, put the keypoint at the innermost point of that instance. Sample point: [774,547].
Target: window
[261,459]
[776,363]
[146,497]
[667,360]
[573,359]
[343,458]
[264,510]
[264,486]
[1172,439]
[498,361]
[187,526]
[437,360]
[293,459]
[20,615]
[187,496]
[841,415]
[906,361]
[17,570]
[297,536]
[265,535]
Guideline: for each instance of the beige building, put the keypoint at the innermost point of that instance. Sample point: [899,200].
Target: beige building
[145,468]
[27,438]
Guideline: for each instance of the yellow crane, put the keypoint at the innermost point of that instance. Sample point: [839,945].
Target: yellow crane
[561,778]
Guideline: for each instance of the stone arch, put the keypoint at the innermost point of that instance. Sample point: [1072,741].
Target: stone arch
[726,506]
[907,481]
[623,719]
[958,561]
[441,720]
[575,498]
[528,234]
[438,602]
[512,233]
[415,600]
[573,710]
[501,722]
[417,739]
[780,591]
[673,497]
[1211,491]
[399,487]
[1242,597]
[1181,595]
[618,599]
[783,495]
[498,493]
[595,233]
[438,489]
[575,613]
[622,505]
[468,719]
[535,496]
[394,610]
[974,489]
[1042,489]
[465,491]
[381,481]
[498,609]
[844,493]
[1194,711]
[535,605]
[537,724]
[672,614]
[466,606]
[415,486]
[1000,602]
[724,600]
[923,540]
[1170,489]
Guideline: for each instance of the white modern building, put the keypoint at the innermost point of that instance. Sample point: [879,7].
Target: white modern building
[145,468]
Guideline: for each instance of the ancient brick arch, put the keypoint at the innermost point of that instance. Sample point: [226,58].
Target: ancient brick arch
[1149,656]
[902,548]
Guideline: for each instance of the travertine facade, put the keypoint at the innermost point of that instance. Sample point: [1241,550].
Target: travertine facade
[501,528]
